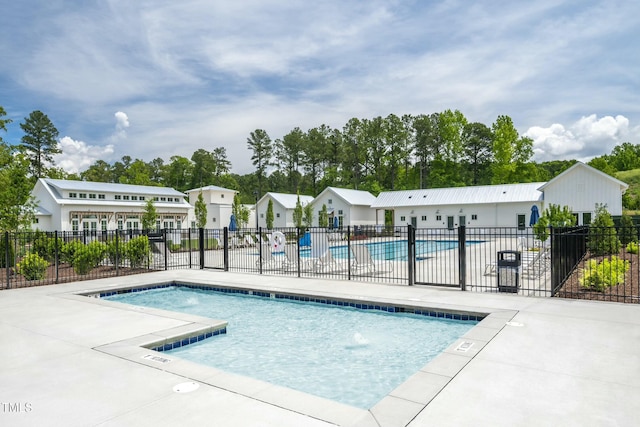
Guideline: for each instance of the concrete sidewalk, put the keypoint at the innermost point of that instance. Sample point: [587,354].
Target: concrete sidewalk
[76,361]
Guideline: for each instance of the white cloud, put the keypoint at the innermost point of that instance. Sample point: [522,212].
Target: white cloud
[122,123]
[587,138]
[77,156]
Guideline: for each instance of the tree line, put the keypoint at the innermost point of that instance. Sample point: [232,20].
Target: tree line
[382,153]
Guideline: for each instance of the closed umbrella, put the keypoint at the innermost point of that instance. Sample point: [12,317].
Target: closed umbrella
[535,216]
[335,222]
[233,226]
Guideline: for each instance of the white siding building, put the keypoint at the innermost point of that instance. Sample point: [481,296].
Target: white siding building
[283,206]
[580,188]
[219,202]
[506,205]
[350,207]
[64,205]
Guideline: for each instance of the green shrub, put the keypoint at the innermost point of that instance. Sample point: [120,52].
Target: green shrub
[68,250]
[627,232]
[87,257]
[116,252]
[600,275]
[32,267]
[632,247]
[138,252]
[44,246]
[603,239]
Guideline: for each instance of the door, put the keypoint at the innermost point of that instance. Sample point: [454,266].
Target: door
[450,222]
[522,221]
[414,221]
[462,220]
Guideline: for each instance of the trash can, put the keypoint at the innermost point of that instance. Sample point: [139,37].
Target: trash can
[509,270]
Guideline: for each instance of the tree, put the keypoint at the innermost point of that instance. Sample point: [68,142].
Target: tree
[511,153]
[100,171]
[200,209]
[307,217]
[178,173]
[17,206]
[298,213]
[39,142]
[603,239]
[553,216]
[149,216]
[323,217]
[240,211]
[3,122]
[628,231]
[288,152]
[260,143]
[269,218]
[477,140]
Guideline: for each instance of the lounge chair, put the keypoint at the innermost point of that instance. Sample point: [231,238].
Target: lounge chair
[321,256]
[364,262]
[249,241]
[291,259]
[267,259]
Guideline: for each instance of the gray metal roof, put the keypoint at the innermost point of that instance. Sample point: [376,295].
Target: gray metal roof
[504,193]
[289,201]
[353,197]
[108,187]
[211,187]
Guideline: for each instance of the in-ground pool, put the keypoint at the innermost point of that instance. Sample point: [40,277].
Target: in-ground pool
[395,249]
[343,353]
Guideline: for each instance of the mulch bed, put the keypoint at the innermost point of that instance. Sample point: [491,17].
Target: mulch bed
[629,292]
[66,274]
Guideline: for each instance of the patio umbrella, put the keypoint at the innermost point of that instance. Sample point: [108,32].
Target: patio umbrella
[535,216]
[335,222]
[233,226]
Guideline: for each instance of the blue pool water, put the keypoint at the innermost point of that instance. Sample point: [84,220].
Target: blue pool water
[345,354]
[395,249]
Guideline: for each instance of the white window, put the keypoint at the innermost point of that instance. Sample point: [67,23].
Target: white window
[474,217]
[330,201]
[277,215]
[134,197]
[403,218]
[117,197]
[125,197]
[101,196]
[92,196]
[424,218]
[73,195]
[142,198]
[438,217]
[83,195]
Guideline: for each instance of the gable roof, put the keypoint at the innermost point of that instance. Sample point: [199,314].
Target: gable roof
[350,196]
[211,187]
[623,185]
[107,187]
[503,193]
[288,201]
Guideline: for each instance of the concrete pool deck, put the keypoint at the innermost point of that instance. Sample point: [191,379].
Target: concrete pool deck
[72,360]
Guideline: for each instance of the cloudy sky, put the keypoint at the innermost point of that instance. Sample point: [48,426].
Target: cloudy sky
[155,78]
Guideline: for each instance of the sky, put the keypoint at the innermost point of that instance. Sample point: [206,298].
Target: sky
[155,78]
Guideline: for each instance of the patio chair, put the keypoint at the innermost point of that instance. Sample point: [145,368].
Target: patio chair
[321,256]
[266,257]
[291,259]
[364,262]
[249,241]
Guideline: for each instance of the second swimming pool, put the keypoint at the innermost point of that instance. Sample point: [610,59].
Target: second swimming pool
[342,353]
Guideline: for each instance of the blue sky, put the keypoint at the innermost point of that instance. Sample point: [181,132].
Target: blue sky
[154,78]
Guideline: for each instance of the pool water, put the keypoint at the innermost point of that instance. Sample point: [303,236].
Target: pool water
[395,249]
[349,355]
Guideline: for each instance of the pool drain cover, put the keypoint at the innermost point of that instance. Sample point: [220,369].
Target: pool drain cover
[187,387]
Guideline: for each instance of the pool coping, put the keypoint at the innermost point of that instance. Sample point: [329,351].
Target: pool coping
[398,408]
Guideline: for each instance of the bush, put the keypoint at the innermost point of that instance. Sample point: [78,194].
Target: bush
[69,249]
[627,232]
[87,257]
[603,239]
[115,252]
[44,246]
[610,272]
[138,251]
[632,247]
[32,267]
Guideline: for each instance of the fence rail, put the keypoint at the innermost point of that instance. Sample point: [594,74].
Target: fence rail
[573,263]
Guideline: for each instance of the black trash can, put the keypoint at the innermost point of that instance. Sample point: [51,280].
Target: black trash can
[509,270]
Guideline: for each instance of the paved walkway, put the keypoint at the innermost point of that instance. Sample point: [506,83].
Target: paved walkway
[70,360]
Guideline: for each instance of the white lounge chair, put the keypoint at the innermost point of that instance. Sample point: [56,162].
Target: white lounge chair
[267,259]
[291,259]
[321,256]
[249,241]
[364,262]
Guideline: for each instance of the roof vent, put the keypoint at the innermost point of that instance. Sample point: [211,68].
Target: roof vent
[410,196]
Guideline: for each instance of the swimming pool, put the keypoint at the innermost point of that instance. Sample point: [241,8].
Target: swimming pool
[342,353]
[395,249]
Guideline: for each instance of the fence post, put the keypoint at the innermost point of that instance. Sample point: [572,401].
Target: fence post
[189,245]
[348,252]
[462,257]
[56,250]
[201,246]
[411,242]
[260,250]
[117,252]
[6,259]
[298,237]
[225,237]
[166,251]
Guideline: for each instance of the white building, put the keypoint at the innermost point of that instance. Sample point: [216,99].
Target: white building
[283,206]
[219,202]
[580,188]
[64,205]
[350,207]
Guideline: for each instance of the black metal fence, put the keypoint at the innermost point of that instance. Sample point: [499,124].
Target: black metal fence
[498,259]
